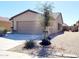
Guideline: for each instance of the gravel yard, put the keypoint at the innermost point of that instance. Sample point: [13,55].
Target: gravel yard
[66,44]
[69,41]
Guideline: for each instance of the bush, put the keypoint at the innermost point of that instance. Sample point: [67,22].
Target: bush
[3,31]
[29,44]
[45,42]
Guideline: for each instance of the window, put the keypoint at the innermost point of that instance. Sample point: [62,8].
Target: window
[59,26]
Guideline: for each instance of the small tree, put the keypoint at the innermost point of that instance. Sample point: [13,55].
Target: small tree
[47,9]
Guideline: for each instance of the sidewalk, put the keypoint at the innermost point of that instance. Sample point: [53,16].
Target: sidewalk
[9,54]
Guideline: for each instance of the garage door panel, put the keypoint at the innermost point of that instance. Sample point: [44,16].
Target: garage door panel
[27,27]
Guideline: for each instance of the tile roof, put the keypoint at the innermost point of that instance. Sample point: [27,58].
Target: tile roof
[55,15]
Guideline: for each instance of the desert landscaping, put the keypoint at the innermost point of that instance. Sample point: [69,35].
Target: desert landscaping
[66,43]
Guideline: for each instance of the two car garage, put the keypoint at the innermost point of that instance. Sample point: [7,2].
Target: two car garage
[28,27]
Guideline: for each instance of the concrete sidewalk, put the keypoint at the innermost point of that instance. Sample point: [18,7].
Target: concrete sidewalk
[9,54]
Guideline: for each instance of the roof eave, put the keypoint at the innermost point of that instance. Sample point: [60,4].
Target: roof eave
[23,13]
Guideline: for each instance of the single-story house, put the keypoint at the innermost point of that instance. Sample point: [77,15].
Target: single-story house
[5,23]
[66,27]
[29,22]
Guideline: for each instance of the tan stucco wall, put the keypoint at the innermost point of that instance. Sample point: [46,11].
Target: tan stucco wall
[60,21]
[53,28]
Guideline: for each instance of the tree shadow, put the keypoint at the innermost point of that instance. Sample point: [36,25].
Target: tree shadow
[44,52]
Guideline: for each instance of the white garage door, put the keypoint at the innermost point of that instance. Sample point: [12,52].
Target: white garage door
[28,27]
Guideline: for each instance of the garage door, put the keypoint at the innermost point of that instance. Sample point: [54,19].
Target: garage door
[27,27]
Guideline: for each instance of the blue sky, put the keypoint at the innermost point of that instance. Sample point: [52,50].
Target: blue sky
[69,9]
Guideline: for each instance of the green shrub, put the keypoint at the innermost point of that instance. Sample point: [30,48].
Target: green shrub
[3,31]
[45,42]
[29,44]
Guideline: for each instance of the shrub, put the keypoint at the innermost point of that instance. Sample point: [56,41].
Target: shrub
[29,44]
[45,42]
[3,31]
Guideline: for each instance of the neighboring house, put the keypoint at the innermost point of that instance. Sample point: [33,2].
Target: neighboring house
[29,22]
[5,23]
[66,27]
[77,24]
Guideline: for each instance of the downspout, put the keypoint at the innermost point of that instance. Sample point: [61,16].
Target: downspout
[12,26]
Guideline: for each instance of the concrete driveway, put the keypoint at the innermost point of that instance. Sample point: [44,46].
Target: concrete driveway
[14,55]
[12,40]
[22,37]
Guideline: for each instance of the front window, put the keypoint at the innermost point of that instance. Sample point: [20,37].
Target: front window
[59,26]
